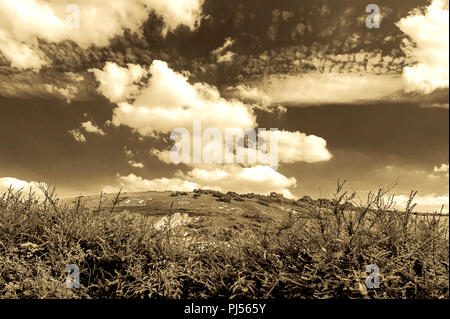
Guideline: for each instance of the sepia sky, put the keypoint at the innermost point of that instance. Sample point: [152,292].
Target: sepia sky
[92,108]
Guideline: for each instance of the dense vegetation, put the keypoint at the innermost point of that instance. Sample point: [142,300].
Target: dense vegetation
[321,255]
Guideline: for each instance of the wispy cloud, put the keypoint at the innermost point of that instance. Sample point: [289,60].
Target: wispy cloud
[77,136]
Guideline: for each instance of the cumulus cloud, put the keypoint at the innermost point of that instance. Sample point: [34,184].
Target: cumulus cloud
[162,155]
[25,21]
[118,83]
[291,147]
[428,48]
[170,101]
[299,147]
[135,164]
[92,128]
[258,179]
[442,169]
[176,12]
[16,184]
[133,183]
[271,147]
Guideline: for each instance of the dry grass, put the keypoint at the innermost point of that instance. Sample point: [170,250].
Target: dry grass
[121,256]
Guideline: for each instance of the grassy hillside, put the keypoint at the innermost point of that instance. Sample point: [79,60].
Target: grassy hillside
[211,245]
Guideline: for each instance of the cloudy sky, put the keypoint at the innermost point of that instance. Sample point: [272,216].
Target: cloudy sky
[90,106]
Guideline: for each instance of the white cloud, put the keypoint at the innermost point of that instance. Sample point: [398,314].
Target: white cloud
[427,204]
[118,83]
[251,94]
[227,57]
[23,22]
[16,184]
[258,179]
[67,93]
[129,153]
[170,101]
[22,56]
[425,181]
[135,164]
[28,84]
[321,88]
[163,156]
[441,169]
[228,43]
[291,147]
[439,105]
[92,128]
[222,54]
[299,147]
[429,49]
[77,136]
[176,12]
[133,183]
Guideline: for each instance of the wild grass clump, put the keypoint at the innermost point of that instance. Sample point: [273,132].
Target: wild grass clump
[321,255]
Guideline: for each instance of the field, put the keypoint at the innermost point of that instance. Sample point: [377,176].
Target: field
[206,244]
